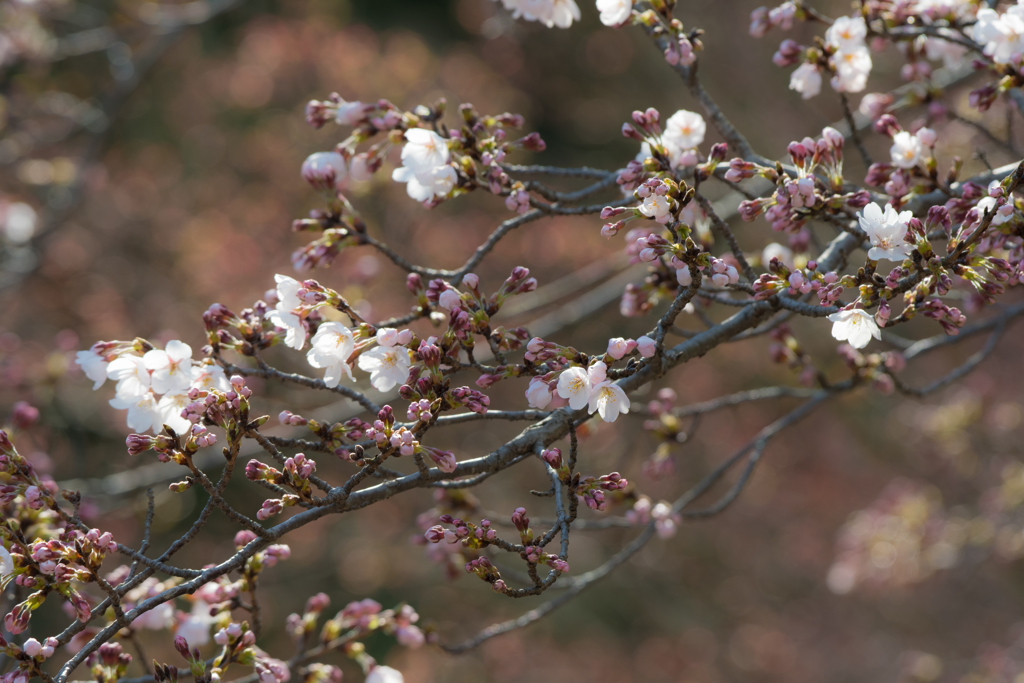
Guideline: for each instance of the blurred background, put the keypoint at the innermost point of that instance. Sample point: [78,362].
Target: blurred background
[149,160]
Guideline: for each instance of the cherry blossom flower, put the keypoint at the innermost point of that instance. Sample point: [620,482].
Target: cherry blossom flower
[384,674]
[143,413]
[608,400]
[538,394]
[388,366]
[168,412]
[171,367]
[886,232]
[684,130]
[852,70]
[389,336]
[6,564]
[847,33]
[425,185]
[332,345]
[131,375]
[287,292]
[1001,35]
[1003,213]
[157,619]
[195,628]
[208,377]
[657,207]
[855,326]
[615,12]
[574,385]
[94,365]
[551,13]
[806,80]
[424,150]
[349,113]
[283,316]
[325,171]
[425,168]
[905,150]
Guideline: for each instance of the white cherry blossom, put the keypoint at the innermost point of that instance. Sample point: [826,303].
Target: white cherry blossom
[425,185]
[852,70]
[349,113]
[131,375]
[287,292]
[1002,35]
[847,33]
[331,347]
[169,409]
[1003,213]
[159,618]
[209,376]
[538,394]
[615,12]
[283,316]
[806,80]
[684,130]
[574,385]
[295,331]
[195,628]
[384,674]
[608,400]
[171,367]
[656,207]
[388,366]
[886,231]
[855,326]
[424,150]
[905,150]
[6,564]
[94,366]
[143,413]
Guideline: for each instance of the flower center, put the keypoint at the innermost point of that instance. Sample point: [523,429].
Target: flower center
[576,385]
[388,361]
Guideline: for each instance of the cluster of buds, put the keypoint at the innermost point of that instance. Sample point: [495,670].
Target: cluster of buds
[667,428]
[666,522]
[592,490]
[383,431]
[361,618]
[236,641]
[420,411]
[828,286]
[300,626]
[787,349]
[297,470]
[109,663]
[535,555]
[484,569]
[662,199]
[817,187]
[472,399]
[474,536]
[763,19]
